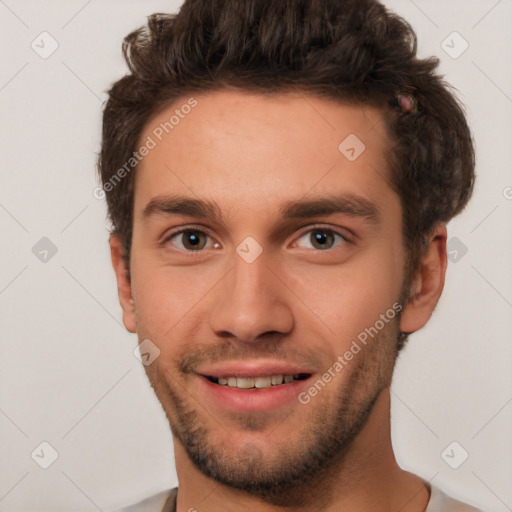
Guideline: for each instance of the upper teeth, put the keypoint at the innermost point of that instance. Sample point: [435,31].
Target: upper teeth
[256,382]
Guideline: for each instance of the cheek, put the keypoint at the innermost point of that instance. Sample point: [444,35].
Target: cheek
[351,297]
[167,297]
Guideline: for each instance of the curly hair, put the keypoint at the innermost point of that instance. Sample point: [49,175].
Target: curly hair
[348,50]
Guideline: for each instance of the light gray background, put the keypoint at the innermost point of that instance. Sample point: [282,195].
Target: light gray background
[68,374]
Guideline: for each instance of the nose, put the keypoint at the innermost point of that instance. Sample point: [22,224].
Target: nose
[252,302]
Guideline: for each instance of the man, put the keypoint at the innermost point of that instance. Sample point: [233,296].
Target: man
[279,176]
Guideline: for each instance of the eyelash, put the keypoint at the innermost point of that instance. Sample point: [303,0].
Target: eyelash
[200,229]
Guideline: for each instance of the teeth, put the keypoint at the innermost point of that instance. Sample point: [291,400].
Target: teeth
[244,382]
[257,382]
[276,380]
[262,382]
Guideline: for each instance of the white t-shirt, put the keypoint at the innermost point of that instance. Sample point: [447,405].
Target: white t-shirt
[440,502]
[165,502]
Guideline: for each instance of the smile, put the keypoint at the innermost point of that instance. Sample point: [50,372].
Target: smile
[262,382]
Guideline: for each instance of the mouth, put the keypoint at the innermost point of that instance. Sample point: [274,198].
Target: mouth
[262,385]
[252,386]
[260,382]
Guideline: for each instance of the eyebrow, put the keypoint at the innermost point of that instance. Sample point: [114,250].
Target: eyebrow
[181,205]
[347,204]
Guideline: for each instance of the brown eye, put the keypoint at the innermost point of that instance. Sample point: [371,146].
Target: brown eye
[321,238]
[190,240]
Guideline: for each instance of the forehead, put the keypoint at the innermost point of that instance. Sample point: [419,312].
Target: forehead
[255,149]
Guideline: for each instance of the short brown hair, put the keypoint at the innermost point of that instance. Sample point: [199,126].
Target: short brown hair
[349,50]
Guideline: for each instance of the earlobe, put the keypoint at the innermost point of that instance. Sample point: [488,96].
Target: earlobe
[427,284]
[124,287]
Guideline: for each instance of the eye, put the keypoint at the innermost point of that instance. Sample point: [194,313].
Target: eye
[190,240]
[321,238]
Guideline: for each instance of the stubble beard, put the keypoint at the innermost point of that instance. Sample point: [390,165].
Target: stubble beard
[292,475]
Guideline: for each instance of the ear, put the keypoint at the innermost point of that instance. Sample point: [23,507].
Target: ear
[427,284]
[124,288]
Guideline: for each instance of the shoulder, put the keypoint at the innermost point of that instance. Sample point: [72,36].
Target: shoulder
[164,501]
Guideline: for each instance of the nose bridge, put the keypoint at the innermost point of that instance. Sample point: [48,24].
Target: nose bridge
[252,301]
[253,282]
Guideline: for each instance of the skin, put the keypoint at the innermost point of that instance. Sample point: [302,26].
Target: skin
[252,153]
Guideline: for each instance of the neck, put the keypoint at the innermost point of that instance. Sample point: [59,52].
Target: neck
[368,478]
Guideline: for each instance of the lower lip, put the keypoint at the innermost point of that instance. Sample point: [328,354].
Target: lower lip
[253,400]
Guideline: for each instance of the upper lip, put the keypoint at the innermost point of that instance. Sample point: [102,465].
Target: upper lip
[253,369]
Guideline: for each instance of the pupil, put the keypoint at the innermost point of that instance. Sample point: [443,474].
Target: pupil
[321,237]
[192,240]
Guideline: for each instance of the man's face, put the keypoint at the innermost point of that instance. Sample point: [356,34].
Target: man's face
[219,310]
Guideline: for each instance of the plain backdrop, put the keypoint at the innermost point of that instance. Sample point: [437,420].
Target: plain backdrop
[68,374]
